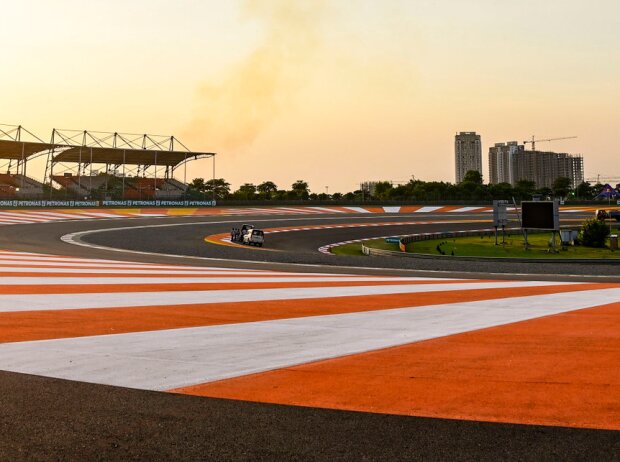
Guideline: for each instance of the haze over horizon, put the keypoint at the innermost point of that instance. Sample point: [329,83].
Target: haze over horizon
[320,90]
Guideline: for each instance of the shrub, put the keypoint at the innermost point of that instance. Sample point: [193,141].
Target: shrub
[593,233]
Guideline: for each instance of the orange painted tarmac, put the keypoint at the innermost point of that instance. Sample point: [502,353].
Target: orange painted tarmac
[561,370]
[40,325]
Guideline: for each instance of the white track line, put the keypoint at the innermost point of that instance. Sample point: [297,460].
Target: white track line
[168,359]
[47,302]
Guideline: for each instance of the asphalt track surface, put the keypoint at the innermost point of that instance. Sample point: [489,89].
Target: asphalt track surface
[52,419]
[185,237]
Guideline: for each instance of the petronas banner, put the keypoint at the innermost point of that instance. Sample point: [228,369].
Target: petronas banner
[110,203]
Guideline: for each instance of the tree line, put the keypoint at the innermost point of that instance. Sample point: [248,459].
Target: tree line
[471,188]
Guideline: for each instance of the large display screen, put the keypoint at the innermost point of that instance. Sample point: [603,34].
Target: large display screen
[540,215]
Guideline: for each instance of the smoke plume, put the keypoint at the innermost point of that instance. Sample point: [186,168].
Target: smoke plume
[233,109]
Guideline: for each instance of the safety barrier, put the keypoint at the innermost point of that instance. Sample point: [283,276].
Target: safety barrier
[447,235]
[403,241]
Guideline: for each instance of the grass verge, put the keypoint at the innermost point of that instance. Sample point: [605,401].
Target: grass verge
[484,246]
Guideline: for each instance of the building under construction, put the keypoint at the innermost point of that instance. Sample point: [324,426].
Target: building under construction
[510,163]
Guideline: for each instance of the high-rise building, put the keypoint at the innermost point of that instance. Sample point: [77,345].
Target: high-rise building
[543,168]
[510,162]
[467,154]
[502,161]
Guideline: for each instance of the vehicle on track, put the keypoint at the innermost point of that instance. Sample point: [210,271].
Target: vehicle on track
[237,234]
[601,214]
[254,237]
[605,215]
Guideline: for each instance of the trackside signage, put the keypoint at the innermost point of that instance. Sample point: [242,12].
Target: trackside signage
[12,203]
[121,203]
[160,203]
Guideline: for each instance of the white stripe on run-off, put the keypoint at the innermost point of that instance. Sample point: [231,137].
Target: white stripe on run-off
[466,209]
[168,359]
[46,302]
[426,209]
[216,279]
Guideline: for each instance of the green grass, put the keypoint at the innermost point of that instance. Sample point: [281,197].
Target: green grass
[356,248]
[476,246]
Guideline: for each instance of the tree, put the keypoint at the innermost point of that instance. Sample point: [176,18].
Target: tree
[383,189]
[472,176]
[280,195]
[584,190]
[266,189]
[561,186]
[501,191]
[597,188]
[593,233]
[544,191]
[197,184]
[218,186]
[525,188]
[246,191]
[300,188]
[206,188]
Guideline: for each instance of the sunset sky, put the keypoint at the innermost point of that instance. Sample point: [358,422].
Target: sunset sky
[333,92]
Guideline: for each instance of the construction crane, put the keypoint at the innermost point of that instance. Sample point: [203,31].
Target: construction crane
[604,179]
[533,141]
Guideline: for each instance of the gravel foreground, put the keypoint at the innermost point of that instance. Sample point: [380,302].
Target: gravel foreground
[51,419]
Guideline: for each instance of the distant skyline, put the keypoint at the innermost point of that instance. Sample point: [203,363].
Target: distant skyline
[331,92]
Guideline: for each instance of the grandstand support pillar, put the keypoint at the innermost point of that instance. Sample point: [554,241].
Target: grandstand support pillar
[90,187]
[51,176]
[50,159]
[80,170]
[155,192]
[22,183]
[185,169]
[213,186]
[123,196]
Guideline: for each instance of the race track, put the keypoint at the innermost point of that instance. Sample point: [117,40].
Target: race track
[284,352]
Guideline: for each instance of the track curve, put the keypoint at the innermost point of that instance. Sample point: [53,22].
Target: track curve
[158,239]
[83,420]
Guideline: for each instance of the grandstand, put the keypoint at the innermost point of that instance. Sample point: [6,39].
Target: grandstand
[95,165]
[17,146]
[19,186]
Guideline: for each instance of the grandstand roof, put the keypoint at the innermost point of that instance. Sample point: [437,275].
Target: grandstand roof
[11,149]
[83,146]
[108,155]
